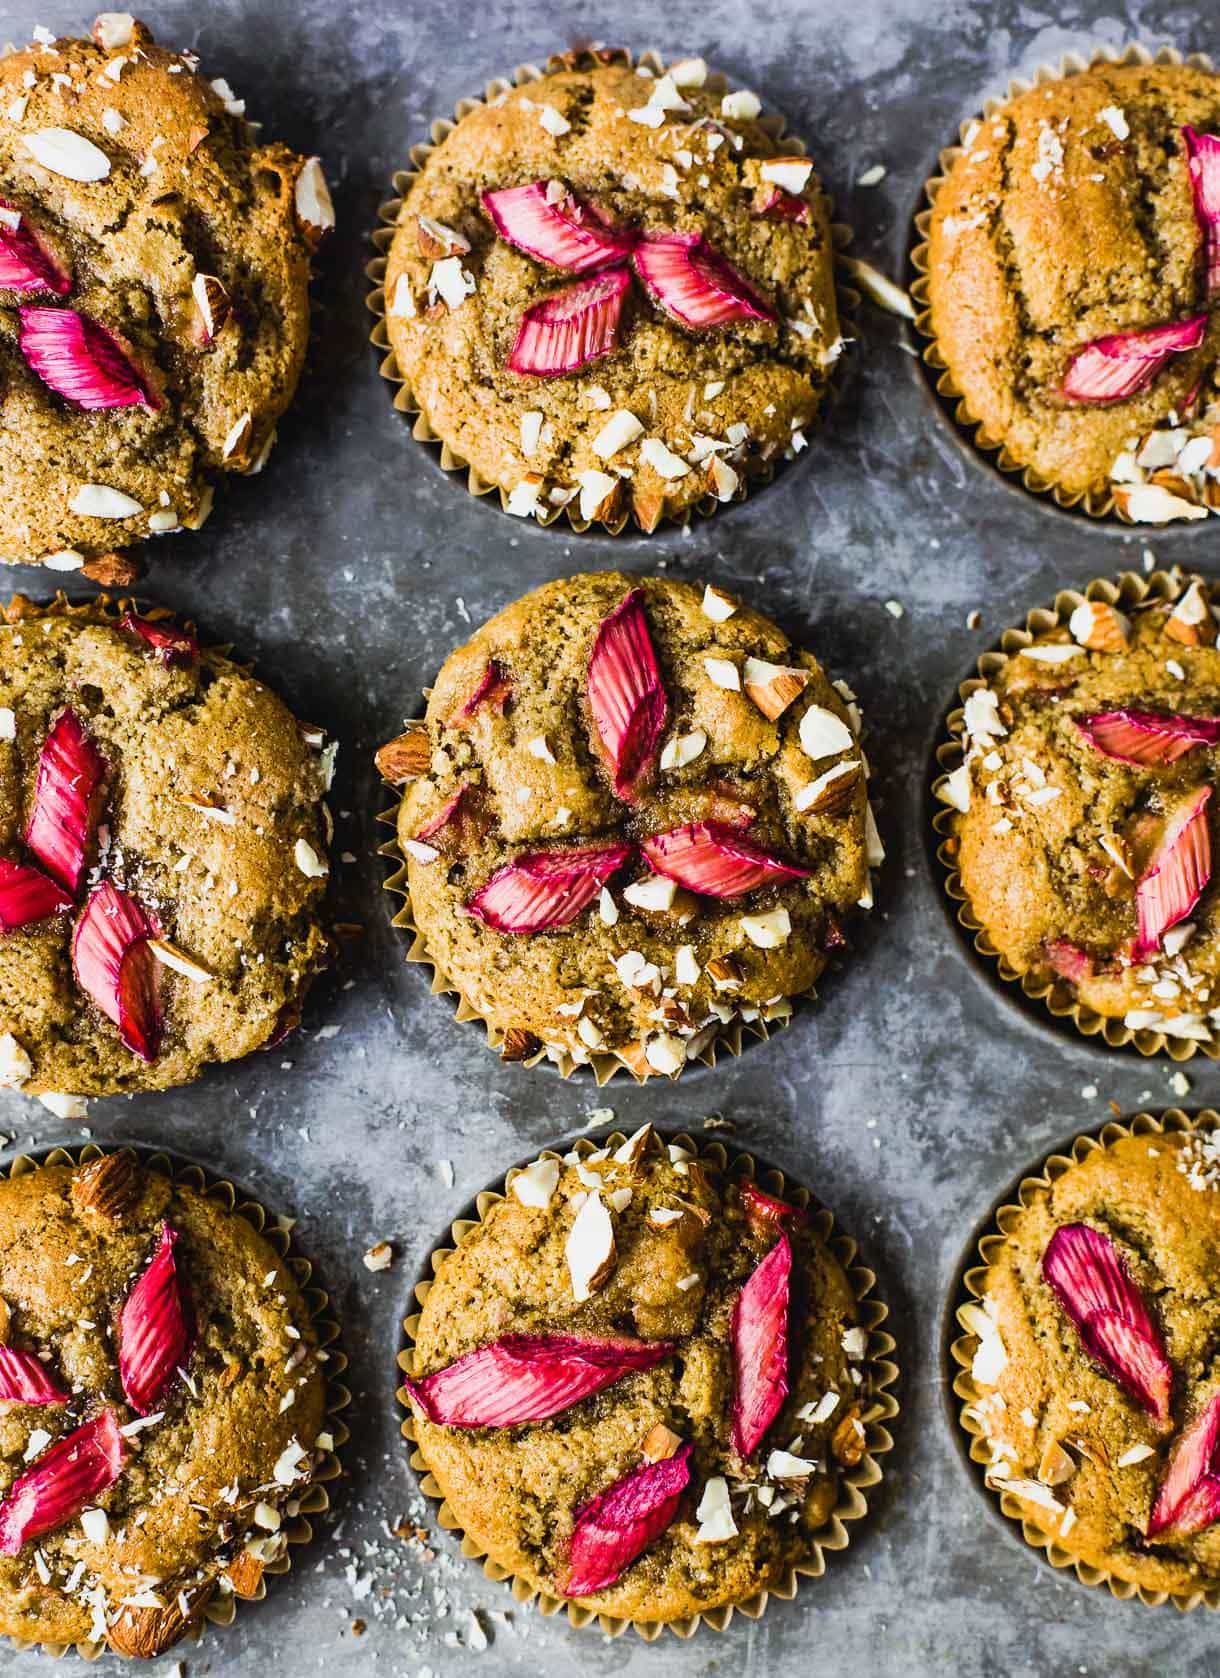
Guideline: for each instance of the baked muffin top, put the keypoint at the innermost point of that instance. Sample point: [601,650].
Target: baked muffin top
[1096,1358]
[622,1298]
[154,269]
[639,814]
[1085,814]
[161,855]
[1068,220]
[563,351]
[167,1339]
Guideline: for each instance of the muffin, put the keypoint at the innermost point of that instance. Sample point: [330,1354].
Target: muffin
[161,855]
[635,815]
[642,1384]
[611,290]
[1081,818]
[1092,1390]
[165,1403]
[1072,261]
[155,264]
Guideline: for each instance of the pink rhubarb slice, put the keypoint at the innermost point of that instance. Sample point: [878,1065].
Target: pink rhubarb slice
[72,1473]
[545,889]
[1069,960]
[66,797]
[553,226]
[447,814]
[694,284]
[24,264]
[1203,161]
[1117,366]
[528,1378]
[716,860]
[80,361]
[572,327]
[24,1379]
[766,1209]
[1149,737]
[1187,1500]
[493,689]
[1177,876]
[1089,1278]
[760,1349]
[27,896]
[171,645]
[116,969]
[777,204]
[627,696]
[615,1528]
[155,1333]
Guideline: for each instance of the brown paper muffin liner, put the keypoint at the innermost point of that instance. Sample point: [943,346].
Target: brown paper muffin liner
[756,473]
[969,1287]
[854,1482]
[313,1500]
[1129,591]
[1097,504]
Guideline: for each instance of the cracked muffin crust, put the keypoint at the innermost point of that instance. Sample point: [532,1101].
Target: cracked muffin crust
[154,271]
[561,340]
[1072,278]
[631,1324]
[1083,816]
[161,855]
[157,1330]
[1094,1362]
[635,815]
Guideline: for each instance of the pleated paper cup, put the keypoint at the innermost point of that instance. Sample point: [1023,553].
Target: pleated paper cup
[249,1582]
[1097,504]
[1129,591]
[854,1483]
[961,1343]
[754,474]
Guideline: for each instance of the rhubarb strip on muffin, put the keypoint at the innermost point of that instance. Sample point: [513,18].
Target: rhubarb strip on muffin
[634,817]
[612,291]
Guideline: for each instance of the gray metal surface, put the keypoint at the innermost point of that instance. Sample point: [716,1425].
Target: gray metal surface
[907,1099]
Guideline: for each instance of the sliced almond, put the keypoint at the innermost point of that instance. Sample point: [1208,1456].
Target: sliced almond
[1153,504]
[882,290]
[683,749]
[630,1152]
[534,1185]
[16,1067]
[113,30]
[519,1044]
[211,306]
[146,1632]
[435,239]
[620,430]
[205,807]
[406,757]
[589,1249]
[724,973]
[717,605]
[311,198]
[654,891]
[823,733]
[848,1441]
[108,1187]
[789,173]
[600,494]
[722,480]
[66,153]
[245,1574]
[769,930]
[1056,1466]
[773,687]
[237,438]
[1100,626]
[1093,1451]
[99,501]
[169,955]
[659,1443]
[1190,623]
[831,792]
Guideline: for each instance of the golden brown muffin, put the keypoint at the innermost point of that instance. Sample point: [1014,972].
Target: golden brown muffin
[638,816]
[1094,1359]
[167,1335]
[162,858]
[154,264]
[685,1284]
[659,392]
[1084,817]
[1068,219]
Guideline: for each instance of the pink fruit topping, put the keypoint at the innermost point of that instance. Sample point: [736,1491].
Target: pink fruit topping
[572,327]
[80,361]
[493,689]
[24,264]
[1090,1279]
[1111,368]
[26,896]
[766,1209]
[1069,960]
[694,284]
[1203,161]
[545,889]
[1177,876]
[626,695]
[716,860]
[171,645]
[74,1471]
[155,1332]
[760,1349]
[779,205]
[528,1378]
[1148,736]
[66,797]
[1189,1498]
[448,810]
[24,1379]
[620,1523]
[116,969]
[553,226]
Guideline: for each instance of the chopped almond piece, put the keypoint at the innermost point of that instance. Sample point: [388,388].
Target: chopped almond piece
[659,1443]
[1191,623]
[773,687]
